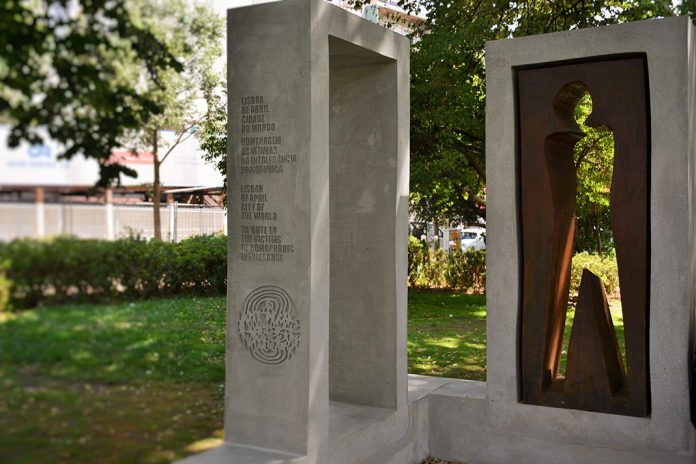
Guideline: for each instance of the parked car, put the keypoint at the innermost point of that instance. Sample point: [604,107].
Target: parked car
[473,238]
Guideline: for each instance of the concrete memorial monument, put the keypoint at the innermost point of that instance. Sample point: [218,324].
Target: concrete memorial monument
[318,192]
[641,77]
[318,203]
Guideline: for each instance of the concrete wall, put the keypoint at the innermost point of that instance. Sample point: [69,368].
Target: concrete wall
[363,126]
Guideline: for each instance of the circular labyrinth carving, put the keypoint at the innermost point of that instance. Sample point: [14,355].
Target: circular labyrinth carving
[269,327]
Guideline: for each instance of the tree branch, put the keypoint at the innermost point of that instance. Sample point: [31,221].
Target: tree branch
[587,150]
[474,163]
[180,139]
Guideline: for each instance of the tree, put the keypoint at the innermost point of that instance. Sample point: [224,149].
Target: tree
[594,163]
[212,134]
[61,71]
[188,98]
[448,87]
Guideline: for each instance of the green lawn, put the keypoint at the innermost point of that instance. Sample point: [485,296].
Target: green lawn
[127,383]
[447,334]
[143,382]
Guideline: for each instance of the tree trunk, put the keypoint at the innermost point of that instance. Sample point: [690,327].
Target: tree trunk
[156,188]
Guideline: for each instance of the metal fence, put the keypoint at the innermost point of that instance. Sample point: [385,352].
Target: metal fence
[108,221]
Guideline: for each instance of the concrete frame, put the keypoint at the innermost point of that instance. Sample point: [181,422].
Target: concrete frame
[336,88]
[669,50]
[477,422]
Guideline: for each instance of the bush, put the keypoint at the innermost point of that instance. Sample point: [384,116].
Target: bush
[466,271]
[603,266]
[437,269]
[67,268]
[426,267]
[418,255]
[5,286]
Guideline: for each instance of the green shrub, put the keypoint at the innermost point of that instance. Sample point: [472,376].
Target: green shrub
[466,271]
[5,286]
[603,266]
[426,267]
[67,268]
[418,255]
[438,269]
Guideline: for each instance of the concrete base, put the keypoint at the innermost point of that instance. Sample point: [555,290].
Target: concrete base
[243,455]
[449,419]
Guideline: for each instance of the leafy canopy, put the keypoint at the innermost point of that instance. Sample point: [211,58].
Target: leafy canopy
[65,69]
[448,171]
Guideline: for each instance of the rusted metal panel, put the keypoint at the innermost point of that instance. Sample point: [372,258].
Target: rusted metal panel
[548,182]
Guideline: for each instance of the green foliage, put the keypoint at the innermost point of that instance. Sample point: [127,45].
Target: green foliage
[194,33]
[448,87]
[5,286]
[466,271]
[418,260]
[425,266]
[212,135]
[65,67]
[457,270]
[65,268]
[594,163]
[604,267]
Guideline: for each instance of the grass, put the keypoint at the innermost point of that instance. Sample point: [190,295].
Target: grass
[447,334]
[143,382]
[139,382]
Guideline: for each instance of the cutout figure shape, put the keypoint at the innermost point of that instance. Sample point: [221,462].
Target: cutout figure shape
[595,379]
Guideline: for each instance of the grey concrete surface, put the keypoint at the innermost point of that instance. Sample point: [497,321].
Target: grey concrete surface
[363,157]
[243,455]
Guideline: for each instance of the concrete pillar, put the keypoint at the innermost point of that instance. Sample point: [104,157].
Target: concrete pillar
[310,222]
[39,197]
[365,334]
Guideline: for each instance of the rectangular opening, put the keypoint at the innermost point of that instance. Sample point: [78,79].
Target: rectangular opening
[363,194]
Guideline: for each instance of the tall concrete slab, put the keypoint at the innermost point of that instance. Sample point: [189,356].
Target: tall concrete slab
[667,46]
[318,207]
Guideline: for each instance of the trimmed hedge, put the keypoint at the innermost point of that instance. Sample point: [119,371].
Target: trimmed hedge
[461,271]
[34,272]
[68,269]
[455,270]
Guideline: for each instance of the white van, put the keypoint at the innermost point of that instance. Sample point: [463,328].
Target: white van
[473,239]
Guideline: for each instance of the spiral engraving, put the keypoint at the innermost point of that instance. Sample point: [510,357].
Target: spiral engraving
[268,326]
